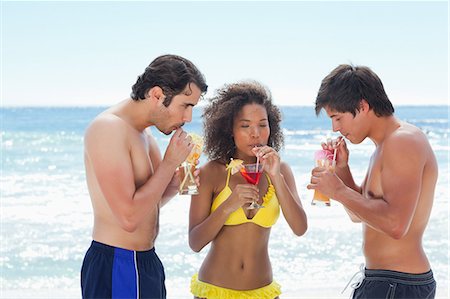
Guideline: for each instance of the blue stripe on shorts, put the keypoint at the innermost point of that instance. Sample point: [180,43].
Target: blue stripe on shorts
[124,274]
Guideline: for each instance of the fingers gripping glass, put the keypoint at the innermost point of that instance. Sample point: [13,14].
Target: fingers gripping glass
[327,159]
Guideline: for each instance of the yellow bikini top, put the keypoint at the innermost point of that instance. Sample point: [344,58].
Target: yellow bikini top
[265,217]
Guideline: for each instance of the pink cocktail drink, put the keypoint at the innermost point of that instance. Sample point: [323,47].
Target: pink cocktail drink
[323,158]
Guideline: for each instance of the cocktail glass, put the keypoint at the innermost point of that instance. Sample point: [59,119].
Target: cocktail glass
[188,185]
[323,158]
[252,174]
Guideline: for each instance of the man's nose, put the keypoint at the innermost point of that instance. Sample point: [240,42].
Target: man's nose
[334,126]
[187,117]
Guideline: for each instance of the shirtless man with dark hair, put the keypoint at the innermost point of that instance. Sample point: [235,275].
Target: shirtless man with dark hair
[129,180]
[395,199]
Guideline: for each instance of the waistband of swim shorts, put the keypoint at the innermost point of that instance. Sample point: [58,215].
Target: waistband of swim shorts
[121,252]
[399,277]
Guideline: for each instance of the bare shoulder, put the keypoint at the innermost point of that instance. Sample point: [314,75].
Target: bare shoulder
[212,169]
[212,173]
[105,126]
[285,169]
[406,138]
[105,121]
[407,143]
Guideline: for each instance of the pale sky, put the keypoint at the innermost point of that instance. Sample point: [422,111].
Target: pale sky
[87,53]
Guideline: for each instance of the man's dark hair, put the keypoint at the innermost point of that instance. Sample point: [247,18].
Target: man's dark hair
[170,72]
[344,88]
[219,115]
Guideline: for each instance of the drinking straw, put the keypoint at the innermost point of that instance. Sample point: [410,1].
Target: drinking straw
[184,180]
[335,150]
[186,175]
[257,162]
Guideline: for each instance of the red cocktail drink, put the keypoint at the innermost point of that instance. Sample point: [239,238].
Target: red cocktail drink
[251,177]
[252,173]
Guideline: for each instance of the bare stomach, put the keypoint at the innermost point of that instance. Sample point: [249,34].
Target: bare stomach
[238,259]
[110,233]
[404,255]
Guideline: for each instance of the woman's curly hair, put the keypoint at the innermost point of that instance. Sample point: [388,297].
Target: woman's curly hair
[219,115]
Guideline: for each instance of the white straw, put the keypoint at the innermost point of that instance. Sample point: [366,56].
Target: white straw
[335,150]
[185,178]
[257,162]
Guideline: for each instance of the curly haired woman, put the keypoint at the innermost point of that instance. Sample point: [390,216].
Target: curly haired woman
[241,122]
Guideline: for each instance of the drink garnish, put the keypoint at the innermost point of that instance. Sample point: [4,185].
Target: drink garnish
[235,165]
[197,140]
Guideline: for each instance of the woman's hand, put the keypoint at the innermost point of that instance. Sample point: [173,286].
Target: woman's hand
[243,194]
[270,158]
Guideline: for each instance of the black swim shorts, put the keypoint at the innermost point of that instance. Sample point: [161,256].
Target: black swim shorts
[393,284]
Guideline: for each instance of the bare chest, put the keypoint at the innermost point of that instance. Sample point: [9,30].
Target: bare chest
[141,162]
[372,187]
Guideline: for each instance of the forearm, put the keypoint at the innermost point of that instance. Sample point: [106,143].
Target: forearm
[202,234]
[353,216]
[148,196]
[346,176]
[373,212]
[292,208]
[170,192]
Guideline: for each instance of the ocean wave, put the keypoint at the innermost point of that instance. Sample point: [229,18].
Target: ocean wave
[429,121]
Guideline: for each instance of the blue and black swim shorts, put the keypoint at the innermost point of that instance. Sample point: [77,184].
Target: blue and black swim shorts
[111,272]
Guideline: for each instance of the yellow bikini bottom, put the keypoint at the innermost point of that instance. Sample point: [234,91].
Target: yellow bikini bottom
[202,289]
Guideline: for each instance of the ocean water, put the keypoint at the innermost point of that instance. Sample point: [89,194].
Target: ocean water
[46,215]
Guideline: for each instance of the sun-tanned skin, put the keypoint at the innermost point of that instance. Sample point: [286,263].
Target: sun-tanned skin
[395,199]
[128,179]
[238,258]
